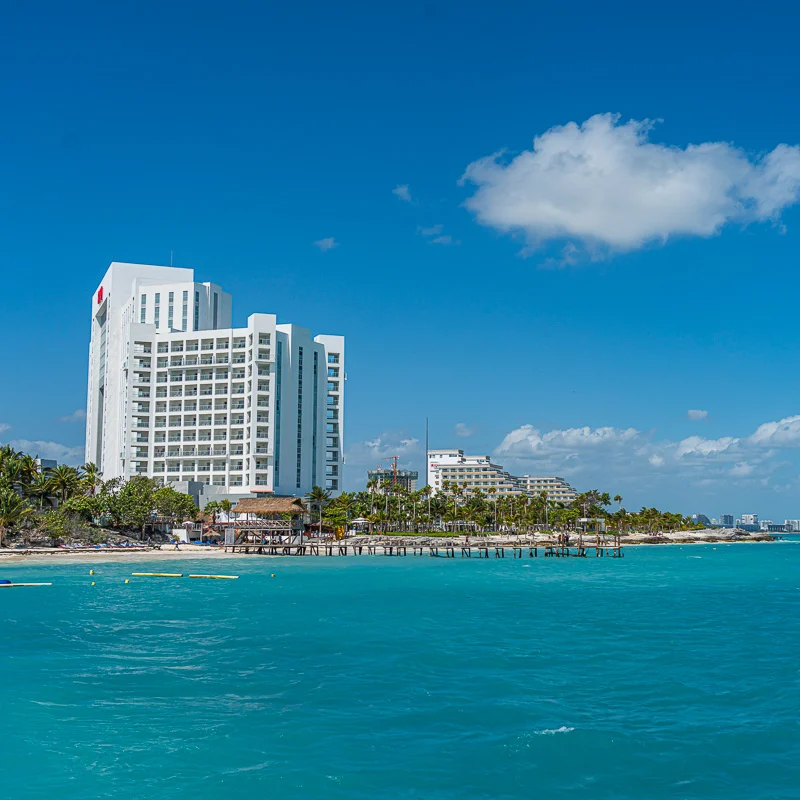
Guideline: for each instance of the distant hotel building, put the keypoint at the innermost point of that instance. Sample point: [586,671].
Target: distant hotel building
[177,394]
[407,479]
[478,472]
[726,520]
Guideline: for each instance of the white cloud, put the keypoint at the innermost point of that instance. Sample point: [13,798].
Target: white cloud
[528,441]
[60,452]
[434,234]
[605,185]
[403,192]
[655,460]
[463,431]
[4,426]
[698,446]
[783,433]
[367,454]
[326,244]
[76,416]
[696,414]
[432,231]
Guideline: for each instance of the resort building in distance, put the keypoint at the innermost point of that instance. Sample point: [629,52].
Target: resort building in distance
[405,478]
[478,472]
[178,394]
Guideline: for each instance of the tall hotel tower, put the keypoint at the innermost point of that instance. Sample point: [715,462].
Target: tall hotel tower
[177,394]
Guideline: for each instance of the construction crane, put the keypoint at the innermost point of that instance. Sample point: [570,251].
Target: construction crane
[394,460]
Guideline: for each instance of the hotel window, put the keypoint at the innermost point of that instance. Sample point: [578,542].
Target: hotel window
[185,310]
[333,358]
[156,313]
[143,312]
[216,309]
[196,310]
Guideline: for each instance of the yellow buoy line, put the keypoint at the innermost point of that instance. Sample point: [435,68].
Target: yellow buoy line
[157,574]
[180,575]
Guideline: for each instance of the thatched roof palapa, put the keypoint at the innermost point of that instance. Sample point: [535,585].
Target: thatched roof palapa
[270,505]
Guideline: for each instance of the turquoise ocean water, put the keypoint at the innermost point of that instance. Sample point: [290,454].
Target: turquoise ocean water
[670,673]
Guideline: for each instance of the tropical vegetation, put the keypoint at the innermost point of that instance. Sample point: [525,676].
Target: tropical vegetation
[56,502]
[389,507]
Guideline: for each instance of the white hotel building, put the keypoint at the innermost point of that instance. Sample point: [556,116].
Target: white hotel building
[178,394]
[449,467]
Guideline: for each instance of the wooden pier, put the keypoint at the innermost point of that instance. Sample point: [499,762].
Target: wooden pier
[559,547]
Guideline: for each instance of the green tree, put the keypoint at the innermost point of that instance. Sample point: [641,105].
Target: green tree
[176,506]
[318,497]
[84,508]
[90,478]
[53,524]
[13,509]
[65,482]
[40,487]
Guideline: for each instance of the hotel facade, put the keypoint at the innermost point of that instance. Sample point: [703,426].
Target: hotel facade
[448,467]
[177,394]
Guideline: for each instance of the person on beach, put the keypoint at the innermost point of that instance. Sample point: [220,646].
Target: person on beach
[177,543]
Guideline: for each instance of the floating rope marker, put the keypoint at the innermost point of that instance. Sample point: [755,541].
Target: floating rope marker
[157,574]
[217,577]
[11,585]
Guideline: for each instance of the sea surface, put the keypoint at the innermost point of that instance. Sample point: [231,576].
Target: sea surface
[670,673]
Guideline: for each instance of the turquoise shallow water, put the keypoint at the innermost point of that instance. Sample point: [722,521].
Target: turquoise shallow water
[670,673]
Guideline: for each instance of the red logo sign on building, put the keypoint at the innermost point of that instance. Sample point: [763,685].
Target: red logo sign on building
[100,295]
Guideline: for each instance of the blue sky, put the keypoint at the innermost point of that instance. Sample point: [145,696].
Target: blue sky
[565,304]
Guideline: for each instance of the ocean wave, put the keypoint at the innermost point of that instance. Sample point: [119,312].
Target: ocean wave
[551,731]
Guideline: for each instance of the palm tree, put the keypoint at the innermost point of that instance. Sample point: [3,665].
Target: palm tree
[29,468]
[318,497]
[65,482]
[12,509]
[226,506]
[40,487]
[91,477]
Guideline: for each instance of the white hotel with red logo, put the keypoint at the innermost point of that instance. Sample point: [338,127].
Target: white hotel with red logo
[178,394]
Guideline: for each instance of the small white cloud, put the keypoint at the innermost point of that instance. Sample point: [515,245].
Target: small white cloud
[463,431]
[4,426]
[76,416]
[655,460]
[434,230]
[696,414]
[434,234]
[326,244]
[403,192]
[604,185]
[367,454]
